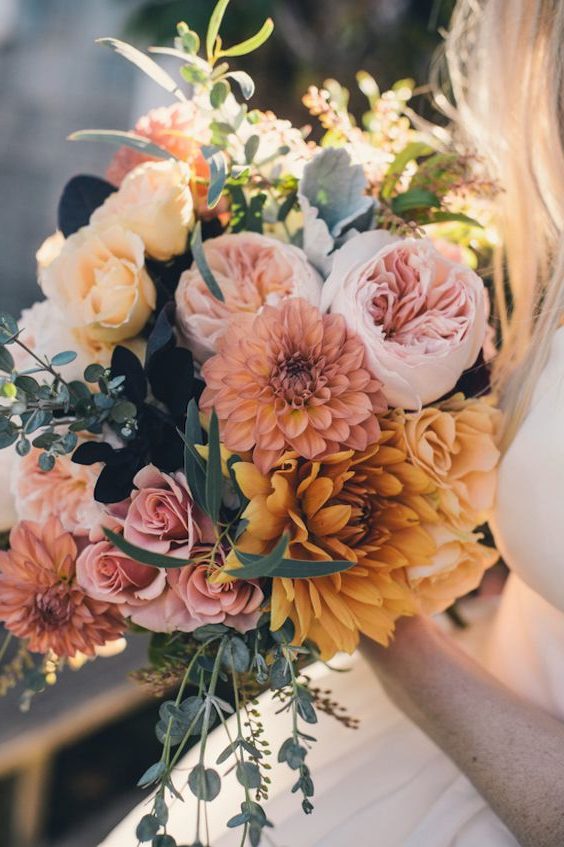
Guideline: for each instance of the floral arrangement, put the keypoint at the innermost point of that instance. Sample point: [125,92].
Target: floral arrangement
[251,415]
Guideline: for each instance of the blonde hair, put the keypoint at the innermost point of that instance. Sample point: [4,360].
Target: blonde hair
[506,66]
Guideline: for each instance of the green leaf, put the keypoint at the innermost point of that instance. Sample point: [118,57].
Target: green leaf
[94,372]
[194,466]
[214,474]
[454,217]
[253,43]
[6,361]
[204,783]
[46,462]
[145,64]
[123,139]
[259,566]
[230,750]
[7,439]
[237,656]
[38,418]
[27,384]
[251,147]
[218,176]
[152,774]
[163,841]
[214,26]
[190,39]
[218,94]
[64,358]
[8,328]
[23,447]
[254,568]
[416,198]
[413,151]
[248,775]
[123,411]
[202,263]
[244,81]
[145,557]
[196,61]
[147,827]
[254,214]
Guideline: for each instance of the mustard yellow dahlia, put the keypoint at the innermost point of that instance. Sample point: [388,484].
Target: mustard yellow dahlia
[366,507]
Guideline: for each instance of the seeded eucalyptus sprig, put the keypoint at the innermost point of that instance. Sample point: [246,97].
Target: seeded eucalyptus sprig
[40,408]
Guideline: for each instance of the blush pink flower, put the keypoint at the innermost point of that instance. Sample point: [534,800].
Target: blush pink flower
[236,603]
[107,574]
[421,316]
[292,378]
[67,492]
[40,599]
[162,515]
[180,128]
[251,270]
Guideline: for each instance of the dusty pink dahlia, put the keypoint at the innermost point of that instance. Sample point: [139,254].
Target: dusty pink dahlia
[292,378]
[40,600]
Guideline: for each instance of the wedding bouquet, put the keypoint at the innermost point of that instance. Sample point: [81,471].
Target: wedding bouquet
[250,416]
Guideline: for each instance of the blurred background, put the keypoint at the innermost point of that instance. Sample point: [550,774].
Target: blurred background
[64,779]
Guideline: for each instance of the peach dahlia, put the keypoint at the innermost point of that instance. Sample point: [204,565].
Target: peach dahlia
[40,600]
[292,378]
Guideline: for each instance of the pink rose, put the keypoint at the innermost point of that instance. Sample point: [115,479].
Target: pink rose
[162,515]
[236,603]
[251,270]
[421,317]
[105,573]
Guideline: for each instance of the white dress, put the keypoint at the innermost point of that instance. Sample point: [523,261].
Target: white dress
[386,784]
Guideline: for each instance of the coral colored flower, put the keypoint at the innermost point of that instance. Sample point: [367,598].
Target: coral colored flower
[155,202]
[456,568]
[162,516]
[456,444]
[292,378]
[235,603]
[421,316]
[67,492]
[107,574]
[100,283]
[365,508]
[181,128]
[251,270]
[40,599]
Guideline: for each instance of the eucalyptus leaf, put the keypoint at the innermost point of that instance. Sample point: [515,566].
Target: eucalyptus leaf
[218,176]
[218,94]
[199,63]
[8,328]
[204,783]
[122,139]
[251,148]
[214,473]
[202,263]
[439,217]
[145,557]
[244,81]
[7,363]
[145,64]
[64,358]
[236,655]
[248,775]
[147,827]
[194,466]
[152,774]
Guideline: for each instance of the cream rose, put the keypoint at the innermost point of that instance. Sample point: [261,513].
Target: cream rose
[100,283]
[421,316]
[252,270]
[155,202]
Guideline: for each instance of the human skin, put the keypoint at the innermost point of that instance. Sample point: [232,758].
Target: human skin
[512,751]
